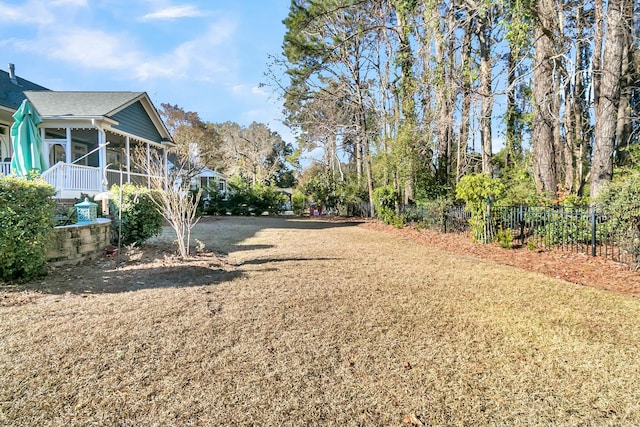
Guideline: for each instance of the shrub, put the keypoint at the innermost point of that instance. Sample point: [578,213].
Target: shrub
[505,238]
[26,226]
[267,198]
[620,201]
[297,203]
[479,192]
[430,213]
[519,185]
[321,187]
[255,199]
[384,199]
[215,203]
[137,214]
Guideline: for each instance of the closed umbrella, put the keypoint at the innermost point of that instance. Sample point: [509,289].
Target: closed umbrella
[27,144]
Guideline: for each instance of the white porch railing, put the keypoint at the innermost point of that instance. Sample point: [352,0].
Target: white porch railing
[64,176]
[67,178]
[5,168]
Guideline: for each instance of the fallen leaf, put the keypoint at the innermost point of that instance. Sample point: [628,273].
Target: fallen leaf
[412,419]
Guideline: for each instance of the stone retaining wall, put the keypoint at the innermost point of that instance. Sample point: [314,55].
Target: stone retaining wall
[75,243]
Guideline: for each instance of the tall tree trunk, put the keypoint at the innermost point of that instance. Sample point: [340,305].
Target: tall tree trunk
[623,125]
[444,89]
[542,135]
[358,143]
[408,120]
[510,136]
[578,136]
[598,40]
[569,125]
[465,108]
[484,37]
[607,111]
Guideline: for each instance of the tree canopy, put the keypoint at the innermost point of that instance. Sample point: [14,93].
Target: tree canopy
[416,94]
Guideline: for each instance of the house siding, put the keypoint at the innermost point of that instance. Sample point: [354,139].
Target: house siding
[135,120]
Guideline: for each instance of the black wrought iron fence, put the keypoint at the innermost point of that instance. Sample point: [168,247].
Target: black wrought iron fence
[577,229]
[448,220]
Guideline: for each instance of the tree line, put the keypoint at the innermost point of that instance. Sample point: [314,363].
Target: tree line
[253,154]
[413,95]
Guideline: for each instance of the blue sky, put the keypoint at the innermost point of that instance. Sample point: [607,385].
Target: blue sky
[205,56]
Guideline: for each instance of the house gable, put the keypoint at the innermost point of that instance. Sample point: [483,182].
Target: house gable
[134,120]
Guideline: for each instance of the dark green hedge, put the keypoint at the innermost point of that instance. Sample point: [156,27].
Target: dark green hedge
[141,217]
[26,226]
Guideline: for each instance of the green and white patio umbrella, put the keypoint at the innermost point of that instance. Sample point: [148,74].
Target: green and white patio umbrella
[27,144]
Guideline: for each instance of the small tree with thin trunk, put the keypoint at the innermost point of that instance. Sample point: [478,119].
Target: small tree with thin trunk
[174,199]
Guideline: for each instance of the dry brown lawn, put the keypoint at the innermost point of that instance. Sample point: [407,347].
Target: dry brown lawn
[315,323]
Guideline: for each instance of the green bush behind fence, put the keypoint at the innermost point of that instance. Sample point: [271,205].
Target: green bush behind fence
[584,229]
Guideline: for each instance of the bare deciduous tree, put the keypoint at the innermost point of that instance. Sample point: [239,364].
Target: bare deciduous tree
[176,200]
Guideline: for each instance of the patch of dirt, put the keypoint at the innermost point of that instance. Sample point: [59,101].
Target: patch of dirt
[581,269]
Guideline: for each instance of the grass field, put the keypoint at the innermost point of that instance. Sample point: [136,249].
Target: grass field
[325,324]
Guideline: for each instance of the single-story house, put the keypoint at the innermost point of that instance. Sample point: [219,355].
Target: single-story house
[88,137]
[209,180]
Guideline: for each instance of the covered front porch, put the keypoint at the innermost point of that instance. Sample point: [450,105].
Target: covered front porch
[85,161]
[93,140]
[90,161]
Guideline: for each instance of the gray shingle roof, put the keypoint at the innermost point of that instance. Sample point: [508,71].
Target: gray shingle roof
[12,95]
[92,104]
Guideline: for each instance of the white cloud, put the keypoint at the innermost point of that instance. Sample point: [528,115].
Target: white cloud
[93,49]
[74,3]
[242,90]
[258,90]
[238,89]
[205,58]
[33,12]
[173,12]
[40,12]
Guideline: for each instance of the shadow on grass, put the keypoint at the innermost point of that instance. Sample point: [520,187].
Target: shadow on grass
[270,260]
[113,280]
[225,234]
[222,234]
[236,248]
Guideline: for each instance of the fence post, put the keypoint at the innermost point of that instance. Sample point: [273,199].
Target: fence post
[521,224]
[593,230]
[444,220]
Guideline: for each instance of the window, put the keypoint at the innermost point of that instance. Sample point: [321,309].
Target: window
[5,145]
[57,154]
[78,151]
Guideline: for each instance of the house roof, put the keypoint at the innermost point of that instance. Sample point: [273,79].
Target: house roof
[12,94]
[99,105]
[83,104]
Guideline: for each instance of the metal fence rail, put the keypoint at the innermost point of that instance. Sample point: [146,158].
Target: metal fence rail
[576,229]
[449,220]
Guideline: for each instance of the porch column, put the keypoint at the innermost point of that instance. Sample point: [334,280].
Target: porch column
[127,143]
[102,155]
[67,147]
[47,149]
[165,167]
[148,165]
